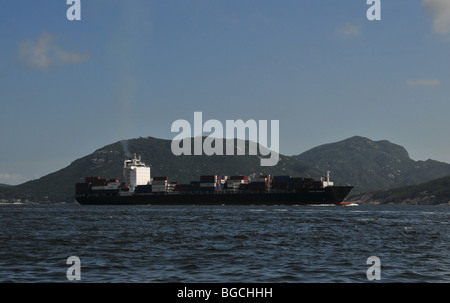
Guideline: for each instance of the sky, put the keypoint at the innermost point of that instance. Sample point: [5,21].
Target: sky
[129,69]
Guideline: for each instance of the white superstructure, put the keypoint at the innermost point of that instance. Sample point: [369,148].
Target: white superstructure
[327,181]
[136,172]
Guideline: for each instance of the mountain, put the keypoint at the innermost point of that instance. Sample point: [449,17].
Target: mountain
[429,193]
[371,165]
[107,162]
[368,165]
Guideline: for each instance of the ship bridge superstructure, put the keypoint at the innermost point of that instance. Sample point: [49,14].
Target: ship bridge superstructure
[136,172]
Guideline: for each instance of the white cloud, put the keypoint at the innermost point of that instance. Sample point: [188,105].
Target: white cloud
[45,54]
[7,178]
[440,10]
[424,83]
[348,30]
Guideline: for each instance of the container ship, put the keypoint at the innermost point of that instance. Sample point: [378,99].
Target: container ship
[138,188]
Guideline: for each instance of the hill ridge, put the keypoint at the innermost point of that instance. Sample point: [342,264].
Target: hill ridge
[367,165]
[370,165]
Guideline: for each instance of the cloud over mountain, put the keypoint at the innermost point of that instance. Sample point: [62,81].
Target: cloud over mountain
[440,10]
[45,53]
[10,178]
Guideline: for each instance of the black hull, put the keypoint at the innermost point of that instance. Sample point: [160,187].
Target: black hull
[307,196]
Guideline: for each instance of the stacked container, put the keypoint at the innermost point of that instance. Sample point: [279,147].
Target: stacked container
[208,183]
[295,183]
[262,179]
[211,183]
[317,183]
[260,183]
[234,182]
[100,185]
[195,185]
[160,184]
[308,182]
[183,187]
[143,189]
[280,182]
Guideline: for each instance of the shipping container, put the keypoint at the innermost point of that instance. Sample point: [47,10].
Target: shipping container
[208,184]
[237,181]
[160,178]
[207,189]
[159,183]
[296,179]
[238,178]
[257,188]
[294,183]
[233,185]
[156,189]
[281,177]
[209,177]
[99,182]
[317,183]
[243,186]
[207,181]
[259,180]
[262,179]
[95,187]
[140,189]
[183,187]
[257,183]
[279,186]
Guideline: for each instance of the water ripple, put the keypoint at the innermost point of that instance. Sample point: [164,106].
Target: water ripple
[224,244]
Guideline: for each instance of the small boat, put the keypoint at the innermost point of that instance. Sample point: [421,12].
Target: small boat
[348,204]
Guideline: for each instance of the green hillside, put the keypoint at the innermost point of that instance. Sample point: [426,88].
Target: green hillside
[371,165]
[432,192]
[107,162]
[368,165]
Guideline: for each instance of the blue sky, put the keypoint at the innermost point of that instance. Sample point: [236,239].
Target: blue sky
[131,68]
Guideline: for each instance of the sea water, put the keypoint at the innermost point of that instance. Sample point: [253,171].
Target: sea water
[250,244]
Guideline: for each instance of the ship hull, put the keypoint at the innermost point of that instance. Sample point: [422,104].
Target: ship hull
[327,195]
